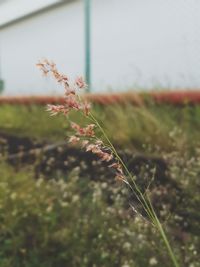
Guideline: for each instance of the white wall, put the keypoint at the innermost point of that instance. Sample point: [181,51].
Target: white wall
[135,43]
[57,35]
[10,10]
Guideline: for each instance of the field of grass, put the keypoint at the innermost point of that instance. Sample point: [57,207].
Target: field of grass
[126,125]
[82,218]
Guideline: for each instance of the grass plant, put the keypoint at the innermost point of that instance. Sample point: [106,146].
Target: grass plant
[100,146]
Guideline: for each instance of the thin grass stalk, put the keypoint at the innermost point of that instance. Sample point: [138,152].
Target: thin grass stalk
[140,197]
[146,204]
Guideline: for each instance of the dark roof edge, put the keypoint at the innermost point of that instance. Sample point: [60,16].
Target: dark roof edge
[35,13]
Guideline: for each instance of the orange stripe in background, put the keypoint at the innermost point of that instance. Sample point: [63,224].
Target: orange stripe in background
[168,97]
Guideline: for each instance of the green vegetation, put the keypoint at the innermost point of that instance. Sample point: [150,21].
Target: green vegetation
[79,220]
[139,127]
[30,121]
[76,222]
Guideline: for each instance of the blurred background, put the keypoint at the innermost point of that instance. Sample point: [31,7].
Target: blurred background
[61,206]
[122,45]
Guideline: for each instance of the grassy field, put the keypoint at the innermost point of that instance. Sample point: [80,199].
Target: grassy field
[78,218]
[127,125]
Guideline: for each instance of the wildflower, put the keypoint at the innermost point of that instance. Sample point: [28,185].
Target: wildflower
[127,246]
[93,148]
[99,142]
[64,204]
[23,250]
[75,198]
[69,90]
[104,185]
[106,157]
[54,110]
[86,108]
[117,166]
[39,182]
[13,196]
[79,130]
[153,261]
[49,208]
[80,82]
[72,103]
[74,139]
[41,66]
[120,177]
[85,143]
[87,131]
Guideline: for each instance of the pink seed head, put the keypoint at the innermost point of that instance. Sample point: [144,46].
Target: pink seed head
[80,82]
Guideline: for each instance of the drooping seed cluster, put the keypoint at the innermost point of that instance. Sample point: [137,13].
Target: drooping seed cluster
[85,136]
[72,100]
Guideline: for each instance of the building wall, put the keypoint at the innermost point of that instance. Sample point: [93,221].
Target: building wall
[135,44]
[11,10]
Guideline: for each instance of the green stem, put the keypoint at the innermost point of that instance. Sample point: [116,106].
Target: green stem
[140,198]
[147,206]
[163,235]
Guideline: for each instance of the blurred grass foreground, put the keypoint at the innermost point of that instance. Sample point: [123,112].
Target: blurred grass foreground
[60,207]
